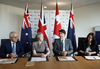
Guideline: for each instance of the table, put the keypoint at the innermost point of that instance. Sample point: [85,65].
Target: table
[82,63]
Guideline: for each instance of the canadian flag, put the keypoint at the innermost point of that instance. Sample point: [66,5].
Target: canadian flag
[42,25]
[57,25]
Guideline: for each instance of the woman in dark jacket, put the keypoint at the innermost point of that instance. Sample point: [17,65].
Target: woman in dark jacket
[89,47]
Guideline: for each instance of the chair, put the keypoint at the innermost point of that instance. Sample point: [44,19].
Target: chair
[33,40]
[80,41]
[3,40]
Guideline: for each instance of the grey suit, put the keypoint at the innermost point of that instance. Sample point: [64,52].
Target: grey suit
[57,47]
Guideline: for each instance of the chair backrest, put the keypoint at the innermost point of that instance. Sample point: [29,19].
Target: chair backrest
[33,40]
[53,50]
[3,40]
[80,41]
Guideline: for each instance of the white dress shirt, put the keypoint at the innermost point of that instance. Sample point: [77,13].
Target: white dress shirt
[88,49]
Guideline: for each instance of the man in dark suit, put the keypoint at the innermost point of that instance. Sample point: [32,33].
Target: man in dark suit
[62,46]
[11,48]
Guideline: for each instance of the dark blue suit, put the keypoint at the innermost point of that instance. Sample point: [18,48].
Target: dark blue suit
[6,48]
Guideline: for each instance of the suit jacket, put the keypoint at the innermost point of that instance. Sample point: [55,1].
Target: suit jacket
[6,48]
[57,47]
[84,46]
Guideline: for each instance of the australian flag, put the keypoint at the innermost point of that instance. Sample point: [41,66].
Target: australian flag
[71,30]
[26,31]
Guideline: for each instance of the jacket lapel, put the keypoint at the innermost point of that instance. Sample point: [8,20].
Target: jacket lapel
[16,46]
[10,46]
[66,43]
[60,44]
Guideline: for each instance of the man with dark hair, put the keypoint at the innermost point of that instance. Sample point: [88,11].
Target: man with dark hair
[63,31]
[62,46]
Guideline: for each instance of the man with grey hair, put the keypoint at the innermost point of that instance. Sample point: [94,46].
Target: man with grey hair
[11,48]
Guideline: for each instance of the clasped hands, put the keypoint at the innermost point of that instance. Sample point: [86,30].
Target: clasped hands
[43,55]
[87,53]
[12,55]
[63,53]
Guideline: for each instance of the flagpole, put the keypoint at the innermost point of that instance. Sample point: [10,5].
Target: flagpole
[71,1]
[41,1]
[26,1]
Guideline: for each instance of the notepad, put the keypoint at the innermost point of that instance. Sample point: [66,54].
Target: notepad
[64,58]
[8,61]
[97,57]
[92,57]
[30,63]
[38,59]
[89,57]
[2,61]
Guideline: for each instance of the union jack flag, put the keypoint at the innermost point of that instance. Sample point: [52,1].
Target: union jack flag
[42,25]
[26,31]
[26,18]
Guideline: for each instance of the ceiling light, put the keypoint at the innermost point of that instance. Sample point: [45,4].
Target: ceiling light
[58,3]
[45,6]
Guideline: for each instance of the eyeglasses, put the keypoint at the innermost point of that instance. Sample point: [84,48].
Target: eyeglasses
[15,37]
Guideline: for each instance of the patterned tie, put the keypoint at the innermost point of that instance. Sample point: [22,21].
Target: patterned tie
[62,44]
[13,49]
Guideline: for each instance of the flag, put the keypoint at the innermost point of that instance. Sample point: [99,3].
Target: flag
[71,29]
[42,25]
[57,25]
[26,31]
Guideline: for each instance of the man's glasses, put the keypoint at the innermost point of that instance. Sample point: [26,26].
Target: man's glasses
[15,37]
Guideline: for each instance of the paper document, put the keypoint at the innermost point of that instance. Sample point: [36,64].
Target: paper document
[38,59]
[89,57]
[2,61]
[92,57]
[8,61]
[70,58]
[30,63]
[64,58]
[97,57]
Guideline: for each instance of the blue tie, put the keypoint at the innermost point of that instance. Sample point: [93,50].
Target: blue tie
[13,49]
[62,44]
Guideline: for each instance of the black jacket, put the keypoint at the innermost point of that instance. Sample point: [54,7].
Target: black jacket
[84,46]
